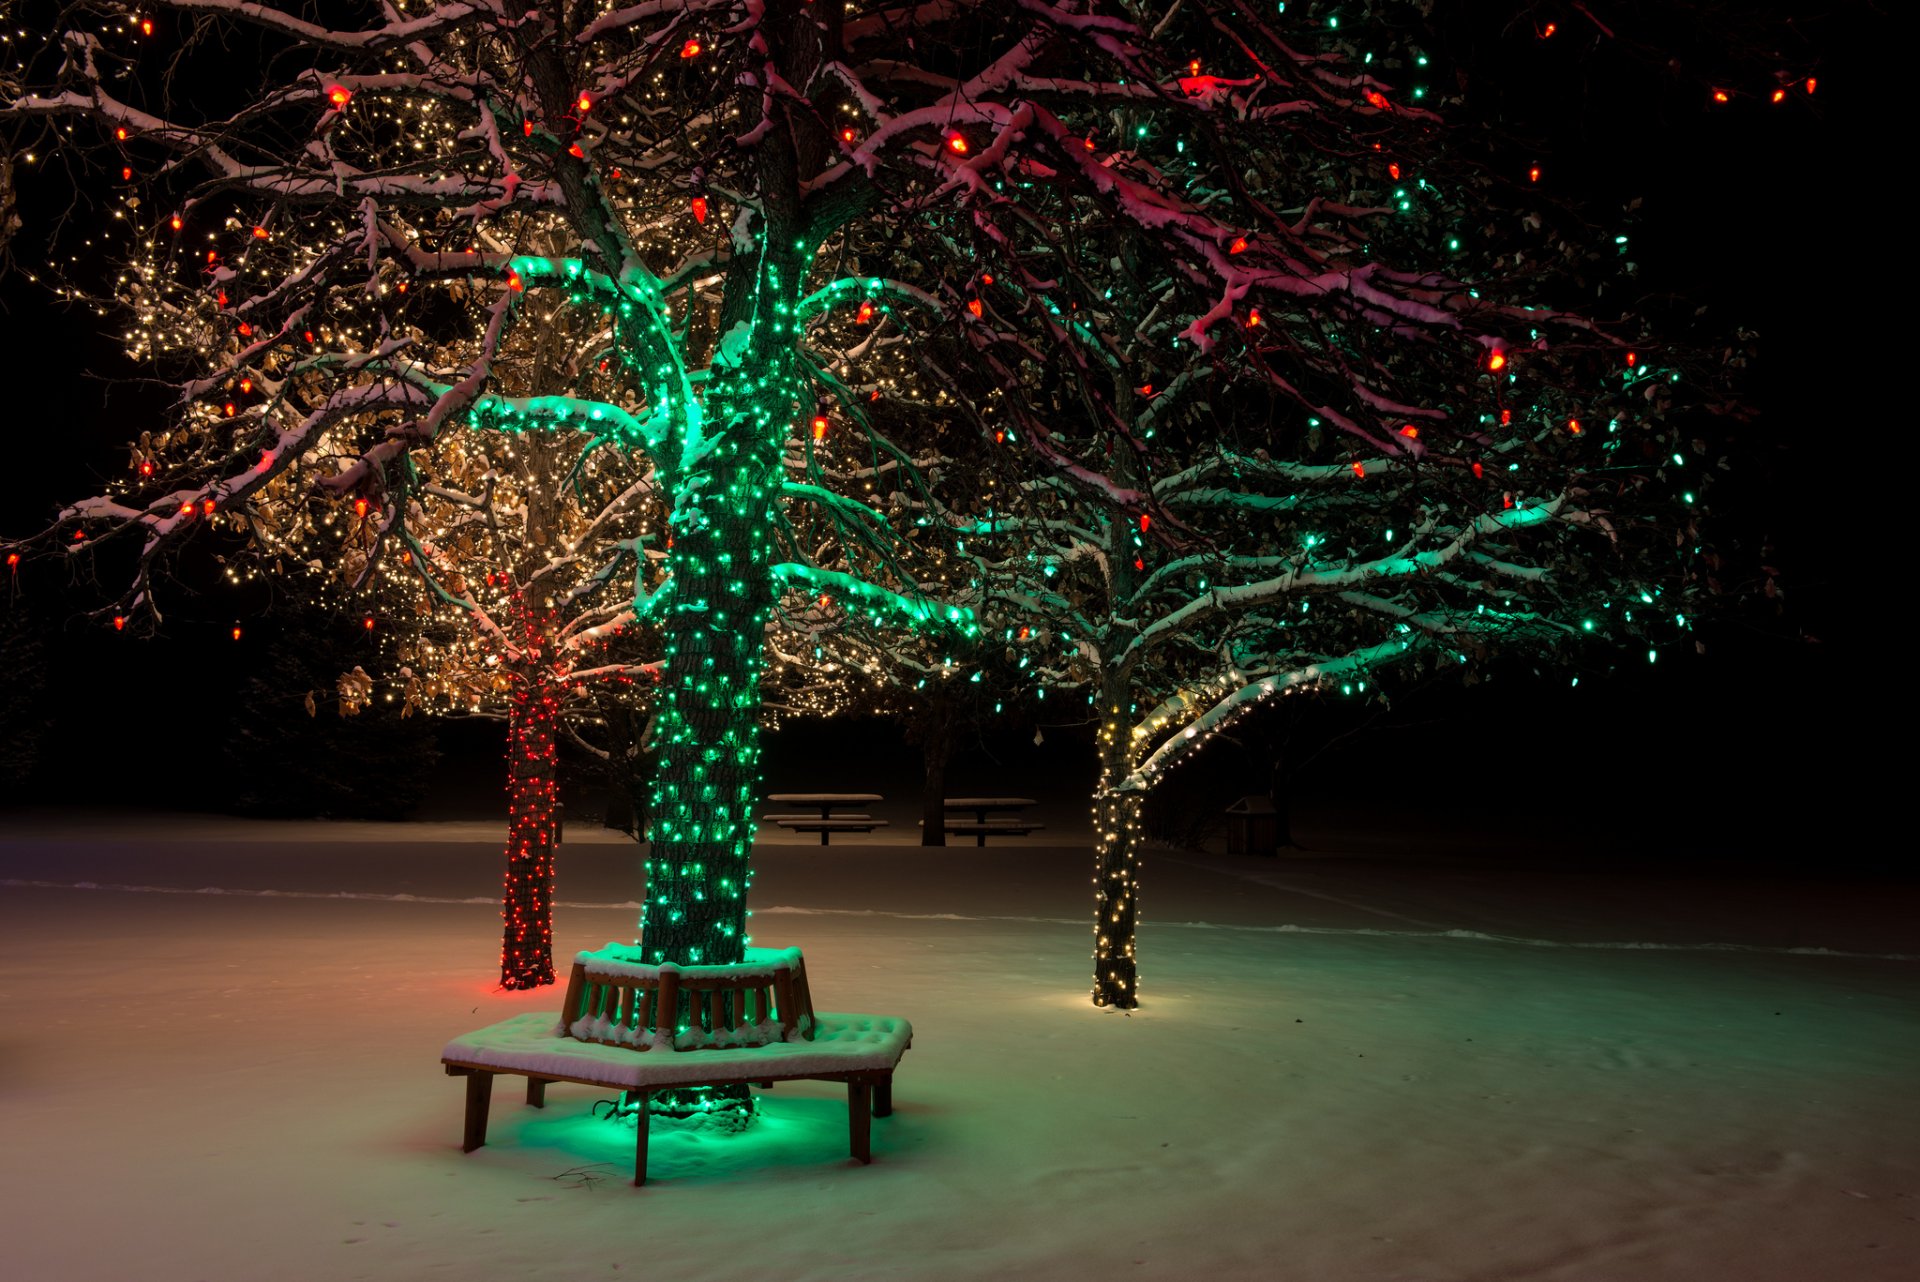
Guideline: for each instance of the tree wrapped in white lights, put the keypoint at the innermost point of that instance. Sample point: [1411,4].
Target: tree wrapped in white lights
[1056,202]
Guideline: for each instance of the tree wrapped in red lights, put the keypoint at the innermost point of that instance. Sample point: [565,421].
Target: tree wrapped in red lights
[1050,209]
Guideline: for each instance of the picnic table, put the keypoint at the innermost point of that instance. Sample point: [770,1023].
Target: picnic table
[983,824]
[826,824]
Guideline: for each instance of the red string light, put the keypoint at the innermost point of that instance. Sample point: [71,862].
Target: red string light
[339,95]
[691,49]
[1496,360]
[820,426]
[699,207]
[957,144]
[975,306]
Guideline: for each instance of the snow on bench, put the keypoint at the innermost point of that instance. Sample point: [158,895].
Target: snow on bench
[826,827]
[750,1023]
[981,829]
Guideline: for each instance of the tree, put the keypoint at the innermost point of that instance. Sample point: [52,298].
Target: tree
[959,170]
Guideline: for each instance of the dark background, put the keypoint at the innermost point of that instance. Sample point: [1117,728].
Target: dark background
[1769,751]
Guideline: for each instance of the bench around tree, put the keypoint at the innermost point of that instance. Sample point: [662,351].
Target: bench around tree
[727,1025]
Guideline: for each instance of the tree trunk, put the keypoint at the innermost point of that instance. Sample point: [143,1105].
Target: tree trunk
[526,952]
[936,748]
[624,774]
[1116,871]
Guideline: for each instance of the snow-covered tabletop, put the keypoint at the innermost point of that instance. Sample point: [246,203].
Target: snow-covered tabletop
[529,1044]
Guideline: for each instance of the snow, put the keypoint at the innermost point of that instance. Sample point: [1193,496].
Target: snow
[1426,1070]
[527,1044]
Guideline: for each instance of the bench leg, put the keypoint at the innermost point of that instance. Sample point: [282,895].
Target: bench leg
[824,834]
[883,1097]
[479,1095]
[536,1092]
[860,1120]
[639,1139]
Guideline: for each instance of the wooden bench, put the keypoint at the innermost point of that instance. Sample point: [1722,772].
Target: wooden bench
[981,829]
[827,827]
[637,1028]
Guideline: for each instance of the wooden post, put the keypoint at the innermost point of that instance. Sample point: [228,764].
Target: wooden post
[860,1120]
[883,1096]
[479,1095]
[639,1139]
[537,1093]
[783,1000]
[570,1008]
[666,1010]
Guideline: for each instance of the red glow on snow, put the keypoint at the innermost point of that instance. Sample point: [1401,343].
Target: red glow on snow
[1145,389]
[699,206]
[1378,100]
[1087,142]
[1409,431]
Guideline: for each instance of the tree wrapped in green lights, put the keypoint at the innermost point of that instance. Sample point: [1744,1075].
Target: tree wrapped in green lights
[1053,204]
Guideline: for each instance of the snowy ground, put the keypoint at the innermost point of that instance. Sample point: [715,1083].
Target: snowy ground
[244,1085]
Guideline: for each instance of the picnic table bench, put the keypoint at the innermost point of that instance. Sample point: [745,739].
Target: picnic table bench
[983,825]
[826,823]
[621,1028]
